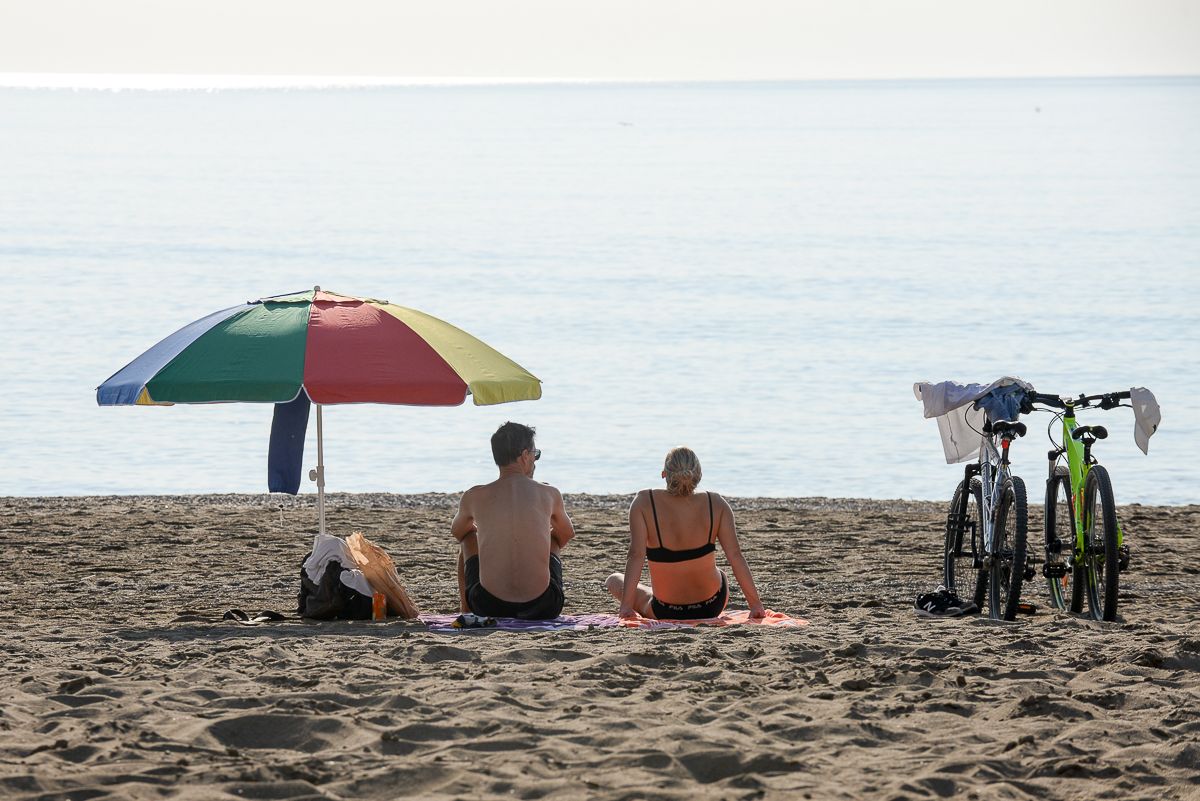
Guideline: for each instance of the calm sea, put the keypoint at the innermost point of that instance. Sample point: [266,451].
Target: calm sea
[760,271]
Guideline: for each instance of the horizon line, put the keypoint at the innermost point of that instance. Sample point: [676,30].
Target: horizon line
[88,81]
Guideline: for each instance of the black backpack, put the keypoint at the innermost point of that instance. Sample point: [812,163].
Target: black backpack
[329,598]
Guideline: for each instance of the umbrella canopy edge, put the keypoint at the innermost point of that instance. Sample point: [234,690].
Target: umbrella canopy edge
[490,376]
[126,387]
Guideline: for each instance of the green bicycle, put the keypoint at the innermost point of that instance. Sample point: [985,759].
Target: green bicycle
[1084,543]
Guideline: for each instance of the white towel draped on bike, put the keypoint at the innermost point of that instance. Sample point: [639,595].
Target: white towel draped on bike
[959,422]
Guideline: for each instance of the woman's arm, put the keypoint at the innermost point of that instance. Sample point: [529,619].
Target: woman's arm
[637,558]
[727,536]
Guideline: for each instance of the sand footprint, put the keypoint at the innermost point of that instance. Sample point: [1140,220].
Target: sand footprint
[304,733]
[708,767]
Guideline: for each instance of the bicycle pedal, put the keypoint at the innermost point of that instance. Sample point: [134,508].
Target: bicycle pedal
[1025,608]
[1029,572]
[1054,570]
[1123,558]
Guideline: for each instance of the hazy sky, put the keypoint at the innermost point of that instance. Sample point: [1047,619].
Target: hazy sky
[622,39]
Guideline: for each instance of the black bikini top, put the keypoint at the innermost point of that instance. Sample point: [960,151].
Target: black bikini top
[663,554]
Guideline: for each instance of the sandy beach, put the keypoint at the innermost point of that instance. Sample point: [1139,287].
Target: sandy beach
[120,680]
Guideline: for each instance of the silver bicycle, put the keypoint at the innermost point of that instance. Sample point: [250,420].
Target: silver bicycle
[987,526]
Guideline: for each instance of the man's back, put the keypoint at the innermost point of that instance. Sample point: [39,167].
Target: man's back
[510,533]
[513,519]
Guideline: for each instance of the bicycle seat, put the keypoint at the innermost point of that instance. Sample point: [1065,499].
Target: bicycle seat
[1008,430]
[1099,432]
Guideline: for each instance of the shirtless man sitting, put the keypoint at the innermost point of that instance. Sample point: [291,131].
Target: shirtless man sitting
[511,532]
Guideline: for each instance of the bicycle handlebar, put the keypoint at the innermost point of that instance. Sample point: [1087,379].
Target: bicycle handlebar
[1107,400]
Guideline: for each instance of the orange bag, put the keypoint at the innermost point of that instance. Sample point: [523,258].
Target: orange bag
[380,571]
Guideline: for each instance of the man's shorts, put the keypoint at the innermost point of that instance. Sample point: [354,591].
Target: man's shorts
[546,606]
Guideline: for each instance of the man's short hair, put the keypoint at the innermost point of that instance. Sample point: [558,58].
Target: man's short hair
[509,441]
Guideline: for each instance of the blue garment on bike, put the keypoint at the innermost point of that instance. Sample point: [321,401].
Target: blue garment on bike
[959,419]
[1002,403]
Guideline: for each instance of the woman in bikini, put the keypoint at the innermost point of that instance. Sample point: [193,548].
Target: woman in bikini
[677,531]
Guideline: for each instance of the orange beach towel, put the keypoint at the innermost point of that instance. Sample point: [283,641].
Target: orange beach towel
[726,618]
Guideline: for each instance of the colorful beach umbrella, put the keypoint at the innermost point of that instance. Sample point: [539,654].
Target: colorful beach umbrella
[322,347]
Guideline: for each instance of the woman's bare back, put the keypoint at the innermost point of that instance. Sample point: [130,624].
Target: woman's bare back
[683,524]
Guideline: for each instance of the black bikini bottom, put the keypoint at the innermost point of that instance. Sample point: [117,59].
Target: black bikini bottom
[701,610]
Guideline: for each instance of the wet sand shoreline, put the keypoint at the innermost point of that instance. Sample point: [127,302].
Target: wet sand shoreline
[120,679]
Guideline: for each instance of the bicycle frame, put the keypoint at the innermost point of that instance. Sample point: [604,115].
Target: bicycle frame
[993,469]
[1079,464]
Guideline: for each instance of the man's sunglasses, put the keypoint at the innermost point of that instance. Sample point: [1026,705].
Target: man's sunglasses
[537,453]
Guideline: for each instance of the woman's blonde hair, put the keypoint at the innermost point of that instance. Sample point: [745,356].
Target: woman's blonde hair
[682,467]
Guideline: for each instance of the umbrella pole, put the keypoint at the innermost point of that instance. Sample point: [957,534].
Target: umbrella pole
[320,473]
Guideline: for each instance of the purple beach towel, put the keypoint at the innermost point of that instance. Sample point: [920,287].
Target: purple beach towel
[604,621]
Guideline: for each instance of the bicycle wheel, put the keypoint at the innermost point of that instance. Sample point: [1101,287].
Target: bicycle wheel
[959,574]
[1100,557]
[1060,539]
[1007,567]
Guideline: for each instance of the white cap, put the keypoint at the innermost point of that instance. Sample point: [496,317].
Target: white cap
[1146,416]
